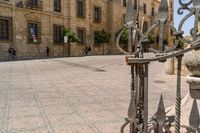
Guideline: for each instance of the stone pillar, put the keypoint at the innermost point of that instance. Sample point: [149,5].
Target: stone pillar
[190,118]
[191,105]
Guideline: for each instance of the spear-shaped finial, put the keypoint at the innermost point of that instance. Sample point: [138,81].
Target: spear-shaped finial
[163,10]
[161,116]
[196,4]
[129,18]
[194,119]
[162,17]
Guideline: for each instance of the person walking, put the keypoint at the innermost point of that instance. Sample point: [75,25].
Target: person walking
[10,53]
[86,50]
[14,54]
[47,51]
[89,50]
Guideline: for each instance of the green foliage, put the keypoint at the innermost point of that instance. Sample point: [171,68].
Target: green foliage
[102,37]
[72,37]
[124,37]
[165,40]
[151,39]
[180,44]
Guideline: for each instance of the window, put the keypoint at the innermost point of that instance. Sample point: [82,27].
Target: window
[4,32]
[81,32]
[34,32]
[5,28]
[135,4]
[58,33]
[171,17]
[97,14]
[124,3]
[152,11]
[57,5]
[34,2]
[171,4]
[124,18]
[145,26]
[81,8]
[144,8]
[96,34]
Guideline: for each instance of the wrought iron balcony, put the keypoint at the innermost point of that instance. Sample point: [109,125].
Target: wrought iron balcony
[20,4]
[5,1]
[34,4]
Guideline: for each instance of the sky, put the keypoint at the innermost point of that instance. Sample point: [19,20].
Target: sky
[188,24]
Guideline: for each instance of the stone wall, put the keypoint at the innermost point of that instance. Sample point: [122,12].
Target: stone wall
[112,22]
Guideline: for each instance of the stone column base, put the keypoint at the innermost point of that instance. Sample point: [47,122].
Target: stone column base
[190,106]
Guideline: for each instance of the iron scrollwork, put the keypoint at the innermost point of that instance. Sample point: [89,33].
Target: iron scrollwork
[138,107]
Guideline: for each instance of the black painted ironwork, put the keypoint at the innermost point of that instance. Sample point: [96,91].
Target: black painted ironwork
[138,108]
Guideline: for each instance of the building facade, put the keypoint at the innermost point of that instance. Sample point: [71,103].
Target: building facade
[31,26]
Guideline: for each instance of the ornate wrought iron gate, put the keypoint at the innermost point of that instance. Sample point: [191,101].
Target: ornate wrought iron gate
[138,108]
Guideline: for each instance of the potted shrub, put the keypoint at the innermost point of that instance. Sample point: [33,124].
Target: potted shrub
[102,37]
[72,37]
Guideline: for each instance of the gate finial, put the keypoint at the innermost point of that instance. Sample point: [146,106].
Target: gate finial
[163,10]
[161,115]
[162,17]
[130,14]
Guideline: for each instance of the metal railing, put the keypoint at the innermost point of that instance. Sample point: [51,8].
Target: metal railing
[34,4]
[138,108]
[31,4]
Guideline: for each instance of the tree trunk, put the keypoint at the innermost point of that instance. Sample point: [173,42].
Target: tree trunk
[38,49]
[103,48]
[69,49]
[63,49]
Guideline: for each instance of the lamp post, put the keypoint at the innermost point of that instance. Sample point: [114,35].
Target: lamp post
[65,42]
[34,37]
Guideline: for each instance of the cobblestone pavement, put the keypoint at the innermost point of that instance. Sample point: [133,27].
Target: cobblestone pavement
[73,95]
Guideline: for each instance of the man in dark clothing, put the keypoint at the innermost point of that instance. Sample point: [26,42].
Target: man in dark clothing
[14,54]
[10,53]
[86,50]
[89,50]
[47,50]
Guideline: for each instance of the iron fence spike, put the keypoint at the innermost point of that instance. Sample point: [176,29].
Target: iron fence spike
[162,17]
[129,17]
[132,110]
[163,10]
[194,119]
[161,115]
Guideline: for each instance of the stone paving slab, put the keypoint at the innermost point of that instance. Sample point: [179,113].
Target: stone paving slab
[74,95]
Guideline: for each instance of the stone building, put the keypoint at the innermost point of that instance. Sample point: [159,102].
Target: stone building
[31,26]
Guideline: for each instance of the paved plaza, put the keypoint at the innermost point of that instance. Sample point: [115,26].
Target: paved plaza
[74,95]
